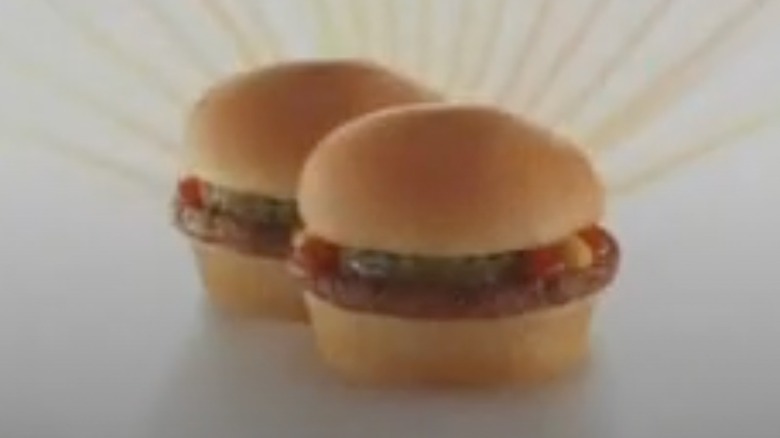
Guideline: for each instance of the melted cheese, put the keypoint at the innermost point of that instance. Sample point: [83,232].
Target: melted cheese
[577,253]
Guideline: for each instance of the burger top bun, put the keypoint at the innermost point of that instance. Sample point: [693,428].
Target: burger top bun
[253,131]
[447,180]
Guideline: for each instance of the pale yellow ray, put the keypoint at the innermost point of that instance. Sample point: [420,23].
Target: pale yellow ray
[92,161]
[733,131]
[425,38]
[123,119]
[507,93]
[359,26]
[669,86]
[388,31]
[108,45]
[273,41]
[363,10]
[180,38]
[463,33]
[327,41]
[573,107]
[344,22]
[476,74]
[230,26]
[566,53]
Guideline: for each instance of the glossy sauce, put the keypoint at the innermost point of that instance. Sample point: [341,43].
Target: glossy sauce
[534,279]
[211,215]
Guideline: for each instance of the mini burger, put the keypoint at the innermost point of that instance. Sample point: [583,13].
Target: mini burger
[451,244]
[248,138]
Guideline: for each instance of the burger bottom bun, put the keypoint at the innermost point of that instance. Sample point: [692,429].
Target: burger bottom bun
[243,286]
[384,350]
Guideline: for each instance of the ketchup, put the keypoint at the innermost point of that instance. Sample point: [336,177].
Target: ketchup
[191,192]
[545,262]
[316,256]
[599,241]
[319,257]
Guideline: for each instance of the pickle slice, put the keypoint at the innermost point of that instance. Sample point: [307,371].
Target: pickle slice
[471,270]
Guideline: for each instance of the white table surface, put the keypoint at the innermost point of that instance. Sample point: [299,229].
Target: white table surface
[103,332]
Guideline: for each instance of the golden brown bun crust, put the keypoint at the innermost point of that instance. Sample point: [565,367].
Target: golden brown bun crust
[383,350]
[253,131]
[445,179]
[240,286]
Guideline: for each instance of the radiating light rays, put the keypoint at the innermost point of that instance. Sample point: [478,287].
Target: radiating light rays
[462,33]
[359,25]
[223,17]
[259,17]
[379,28]
[108,45]
[391,31]
[99,163]
[425,62]
[728,133]
[512,86]
[565,54]
[574,106]
[360,12]
[327,40]
[179,37]
[667,88]
[475,75]
[97,105]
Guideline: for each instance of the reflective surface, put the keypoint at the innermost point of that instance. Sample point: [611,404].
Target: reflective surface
[103,331]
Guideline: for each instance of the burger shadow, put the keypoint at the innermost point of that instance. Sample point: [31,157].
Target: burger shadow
[264,379]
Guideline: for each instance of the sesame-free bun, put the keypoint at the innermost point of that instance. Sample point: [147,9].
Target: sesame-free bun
[242,286]
[526,349]
[447,179]
[253,131]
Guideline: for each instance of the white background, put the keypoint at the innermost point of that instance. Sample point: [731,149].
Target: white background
[103,332]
